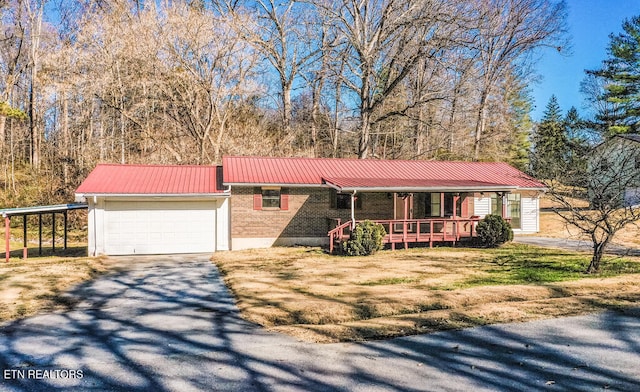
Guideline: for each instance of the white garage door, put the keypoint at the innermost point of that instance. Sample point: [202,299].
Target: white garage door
[159,227]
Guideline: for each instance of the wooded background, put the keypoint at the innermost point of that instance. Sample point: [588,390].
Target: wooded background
[186,82]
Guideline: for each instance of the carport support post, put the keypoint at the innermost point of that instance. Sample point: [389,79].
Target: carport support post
[24,237]
[65,230]
[39,234]
[53,231]
[7,237]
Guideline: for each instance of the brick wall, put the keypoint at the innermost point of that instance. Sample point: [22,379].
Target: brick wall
[309,213]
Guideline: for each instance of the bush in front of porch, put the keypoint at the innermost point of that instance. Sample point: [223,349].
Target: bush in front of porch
[365,239]
[493,231]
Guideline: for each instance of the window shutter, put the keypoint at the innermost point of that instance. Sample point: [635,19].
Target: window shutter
[284,199]
[257,198]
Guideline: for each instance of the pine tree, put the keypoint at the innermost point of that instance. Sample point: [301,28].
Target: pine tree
[549,140]
[621,73]
[520,103]
[576,139]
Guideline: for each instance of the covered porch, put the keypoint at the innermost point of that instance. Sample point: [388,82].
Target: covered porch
[418,213]
[416,231]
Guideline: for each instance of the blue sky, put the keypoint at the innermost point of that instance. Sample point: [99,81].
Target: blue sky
[590,22]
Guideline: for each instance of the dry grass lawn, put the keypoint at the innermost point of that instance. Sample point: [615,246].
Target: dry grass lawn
[37,284]
[317,297]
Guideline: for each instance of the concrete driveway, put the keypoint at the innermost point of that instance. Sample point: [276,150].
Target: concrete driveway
[169,324]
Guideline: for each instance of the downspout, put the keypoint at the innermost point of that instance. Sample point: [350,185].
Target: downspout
[353,209]
[95,233]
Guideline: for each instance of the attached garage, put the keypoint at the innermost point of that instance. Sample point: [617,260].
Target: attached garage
[135,209]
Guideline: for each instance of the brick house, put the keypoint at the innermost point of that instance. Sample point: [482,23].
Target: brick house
[253,202]
[287,201]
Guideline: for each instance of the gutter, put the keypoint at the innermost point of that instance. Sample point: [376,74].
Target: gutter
[281,185]
[82,196]
[425,189]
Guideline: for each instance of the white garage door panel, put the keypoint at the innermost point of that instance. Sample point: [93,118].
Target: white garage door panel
[159,227]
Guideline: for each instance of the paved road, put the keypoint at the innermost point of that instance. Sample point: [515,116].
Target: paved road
[169,324]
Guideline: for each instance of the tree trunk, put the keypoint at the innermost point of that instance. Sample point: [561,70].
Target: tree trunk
[598,250]
[286,107]
[33,126]
[365,130]
[3,122]
[594,265]
[480,124]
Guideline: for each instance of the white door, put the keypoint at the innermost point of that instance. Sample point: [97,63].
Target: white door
[159,227]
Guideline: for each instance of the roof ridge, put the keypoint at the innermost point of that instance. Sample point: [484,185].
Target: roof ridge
[153,165]
[361,160]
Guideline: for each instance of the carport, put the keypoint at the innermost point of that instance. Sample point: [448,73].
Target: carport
[37,210]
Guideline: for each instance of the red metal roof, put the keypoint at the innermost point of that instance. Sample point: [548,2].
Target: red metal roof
[369,173]
[151,179]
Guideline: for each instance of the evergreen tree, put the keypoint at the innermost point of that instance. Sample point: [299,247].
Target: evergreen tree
[621,73]
[520,103]
[549,140]
[576,139]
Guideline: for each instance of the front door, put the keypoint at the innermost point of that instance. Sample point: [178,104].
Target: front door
[403,210]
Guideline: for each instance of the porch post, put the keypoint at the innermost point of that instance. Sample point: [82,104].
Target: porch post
[406,207]
[456,197]
[353,209]
[504,205]
[7,238]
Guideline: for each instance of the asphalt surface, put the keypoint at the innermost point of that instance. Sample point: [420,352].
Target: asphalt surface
[169,324]
[577,245]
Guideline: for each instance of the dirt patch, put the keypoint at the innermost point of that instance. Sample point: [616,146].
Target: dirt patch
[323,298]
[38,284]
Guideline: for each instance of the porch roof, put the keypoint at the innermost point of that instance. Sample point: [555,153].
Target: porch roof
[374,174]
[412,185]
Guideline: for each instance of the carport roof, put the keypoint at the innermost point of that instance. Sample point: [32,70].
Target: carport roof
[114,179]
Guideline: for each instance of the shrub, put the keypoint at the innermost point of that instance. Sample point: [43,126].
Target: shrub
[494,231]
[365,239]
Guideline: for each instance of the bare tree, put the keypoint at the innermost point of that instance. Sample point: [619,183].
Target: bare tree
[507,32]
[34,12]
[207,72]
[383,42]
[611,184]
[281,31]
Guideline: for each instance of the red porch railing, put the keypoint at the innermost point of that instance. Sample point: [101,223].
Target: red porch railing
[427,231]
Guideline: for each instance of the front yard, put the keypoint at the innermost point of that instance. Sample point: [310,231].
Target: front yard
[39,283]
[317,297]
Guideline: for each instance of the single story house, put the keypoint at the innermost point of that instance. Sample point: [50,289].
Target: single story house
[254,202]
